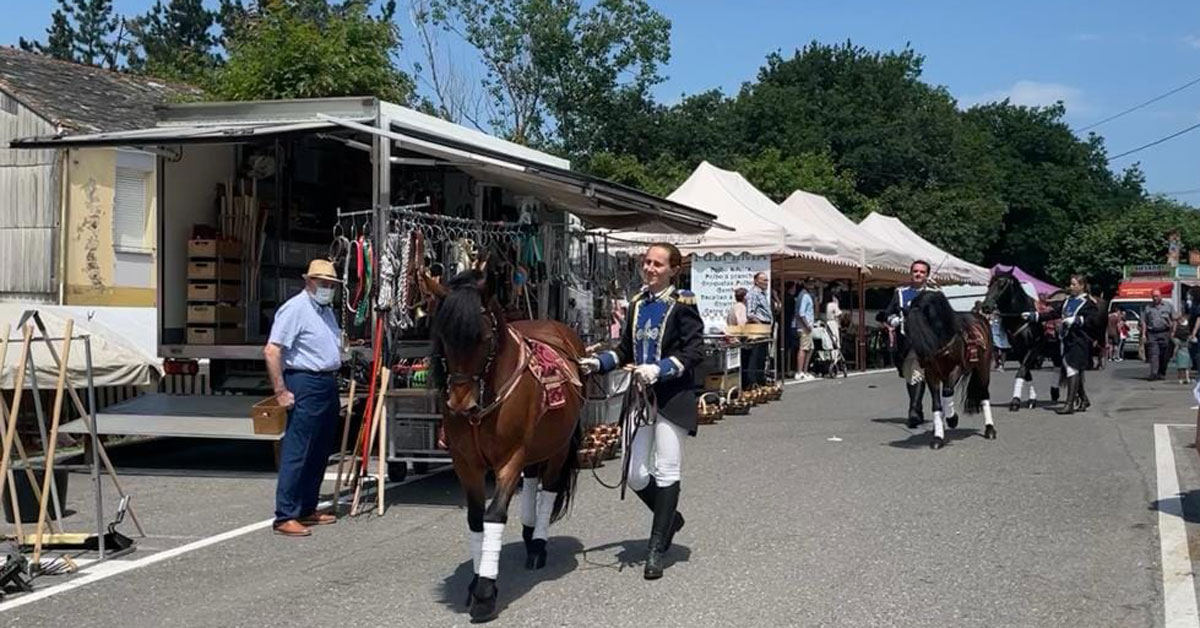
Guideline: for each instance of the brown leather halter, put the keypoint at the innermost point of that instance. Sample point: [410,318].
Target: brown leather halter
[480,378]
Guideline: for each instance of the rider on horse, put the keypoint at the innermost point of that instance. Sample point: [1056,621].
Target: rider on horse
[903,356]
[662,340]
[1075,314]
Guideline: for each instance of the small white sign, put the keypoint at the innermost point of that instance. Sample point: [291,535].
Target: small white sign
[714,278]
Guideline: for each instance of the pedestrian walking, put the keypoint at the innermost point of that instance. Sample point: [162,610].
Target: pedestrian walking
[804,320]
[664,343]
[903,356]
[1074,315]
[1183,357]
[999,340]
[303,356]
[1159,319]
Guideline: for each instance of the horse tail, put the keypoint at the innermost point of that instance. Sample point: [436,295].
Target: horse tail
[567,476]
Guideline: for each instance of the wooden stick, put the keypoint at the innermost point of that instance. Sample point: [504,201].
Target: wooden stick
[383,430]
[337,484]
[53,440]
[386,377]
[28,468]
[87,423]
[18,394]
[12,485]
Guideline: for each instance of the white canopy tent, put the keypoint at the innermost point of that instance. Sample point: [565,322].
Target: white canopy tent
[945,265]
[115,360]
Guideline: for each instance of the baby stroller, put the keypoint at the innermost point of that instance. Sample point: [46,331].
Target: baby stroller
[827,359]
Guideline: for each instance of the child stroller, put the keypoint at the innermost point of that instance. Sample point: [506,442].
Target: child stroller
[827,359]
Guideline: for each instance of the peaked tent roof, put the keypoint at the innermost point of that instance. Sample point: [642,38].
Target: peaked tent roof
[944,264]
[885,261]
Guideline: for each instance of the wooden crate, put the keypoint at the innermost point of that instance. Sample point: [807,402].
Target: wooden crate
[216,335]
[269,417]
[214,292]
[214,249]
[214,269]
[215,314]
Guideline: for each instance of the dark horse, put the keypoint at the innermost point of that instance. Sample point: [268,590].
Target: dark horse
[501,416]
[952,349]
[1006,297]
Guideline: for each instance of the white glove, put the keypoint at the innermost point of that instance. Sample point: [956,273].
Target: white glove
[1029,316]
[894,320]
[1069,321]
[587,366]
[647,373]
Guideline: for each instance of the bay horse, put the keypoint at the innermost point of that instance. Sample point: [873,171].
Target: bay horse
[954,349]
[499,415]
[1008,299]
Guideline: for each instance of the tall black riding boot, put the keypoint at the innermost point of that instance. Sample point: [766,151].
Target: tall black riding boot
[1068,407]
[661,531]
[916,416]
[1082,402]
[648,496]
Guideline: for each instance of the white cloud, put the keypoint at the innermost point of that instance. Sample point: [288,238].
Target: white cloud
[1034,94]
[1192,41]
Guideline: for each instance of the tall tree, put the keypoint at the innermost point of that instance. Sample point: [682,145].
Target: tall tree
[309,49]
[60,36]
[556,73]
[175,40]
[98,33]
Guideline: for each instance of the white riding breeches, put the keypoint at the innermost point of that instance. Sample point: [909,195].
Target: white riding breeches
[657,450]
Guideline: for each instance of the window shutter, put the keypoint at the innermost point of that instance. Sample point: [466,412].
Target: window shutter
[129,210]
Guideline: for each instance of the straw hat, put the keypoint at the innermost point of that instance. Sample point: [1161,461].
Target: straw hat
[322,269]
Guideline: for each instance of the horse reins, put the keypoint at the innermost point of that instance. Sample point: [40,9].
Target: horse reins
[639,408]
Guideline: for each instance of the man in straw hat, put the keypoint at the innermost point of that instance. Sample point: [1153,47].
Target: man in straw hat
[303,357]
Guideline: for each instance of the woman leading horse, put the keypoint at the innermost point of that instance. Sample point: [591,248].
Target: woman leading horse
[1082,324]
[1006,298]
[662,341]
[512,405]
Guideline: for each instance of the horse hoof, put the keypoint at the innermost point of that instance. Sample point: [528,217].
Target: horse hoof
[989,432]
[536,554]
[914,421]
[1031,404]
[483,601]
[938,443]
[952,421]
[1014,405]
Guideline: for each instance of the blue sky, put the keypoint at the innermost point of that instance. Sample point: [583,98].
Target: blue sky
[1099,56]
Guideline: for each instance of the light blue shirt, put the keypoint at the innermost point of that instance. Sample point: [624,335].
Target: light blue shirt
[308,333]
[805,310]
[758,306]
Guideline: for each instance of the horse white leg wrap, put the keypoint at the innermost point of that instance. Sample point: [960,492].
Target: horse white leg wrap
[948,405]
[475,540]
[1032,392]
[939,428]
[1072,372]
[545,505]
[529,496]
[1018,384]
[987,412]
[489,561]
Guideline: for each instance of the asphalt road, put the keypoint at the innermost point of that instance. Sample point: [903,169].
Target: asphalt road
[819,510]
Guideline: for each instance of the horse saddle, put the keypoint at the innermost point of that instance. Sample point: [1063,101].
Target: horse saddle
[552,371]
[975,338]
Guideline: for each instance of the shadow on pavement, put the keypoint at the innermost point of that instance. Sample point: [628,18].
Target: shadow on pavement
[633,552]
[921,440]
[196,455]
[515,581]
[1191,506]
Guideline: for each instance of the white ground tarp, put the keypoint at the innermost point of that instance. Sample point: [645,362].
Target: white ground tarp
[944,264]
[115,360]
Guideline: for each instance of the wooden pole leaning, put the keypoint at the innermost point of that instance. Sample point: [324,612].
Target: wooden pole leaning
[87,421]
[10,429]
[52,443]
[381,420]
[385,376]
[337,484]
[12,485]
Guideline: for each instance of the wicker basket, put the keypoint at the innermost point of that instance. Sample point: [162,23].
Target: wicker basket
[736,403]
[709,413]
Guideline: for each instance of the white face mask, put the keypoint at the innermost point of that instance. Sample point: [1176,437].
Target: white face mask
[323,295]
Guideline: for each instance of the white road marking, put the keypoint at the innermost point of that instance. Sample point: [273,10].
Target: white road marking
[109,568]
[1179,590]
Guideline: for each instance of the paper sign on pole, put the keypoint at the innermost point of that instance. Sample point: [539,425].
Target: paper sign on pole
[714,277]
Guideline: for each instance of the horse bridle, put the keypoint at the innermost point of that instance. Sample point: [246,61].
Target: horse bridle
[479,378]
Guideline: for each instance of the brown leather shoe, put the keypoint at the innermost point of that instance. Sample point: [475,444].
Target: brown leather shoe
[318,519]
[292,527]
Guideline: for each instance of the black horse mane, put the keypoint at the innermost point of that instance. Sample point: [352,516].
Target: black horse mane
[931,323]
[1006,295]
[459,324]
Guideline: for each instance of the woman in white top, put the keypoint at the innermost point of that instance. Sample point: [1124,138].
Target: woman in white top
[833,316]
[737,312]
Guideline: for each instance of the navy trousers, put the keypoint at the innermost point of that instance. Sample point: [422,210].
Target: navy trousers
[307,443]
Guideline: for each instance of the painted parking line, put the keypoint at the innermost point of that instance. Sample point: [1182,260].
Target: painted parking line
[109,568]
[1179,589]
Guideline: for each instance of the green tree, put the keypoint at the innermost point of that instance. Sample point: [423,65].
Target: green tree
[60,36]
[98,33]
[659,176]
[307,49]
[175,41]
[778,176]
[555,73]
